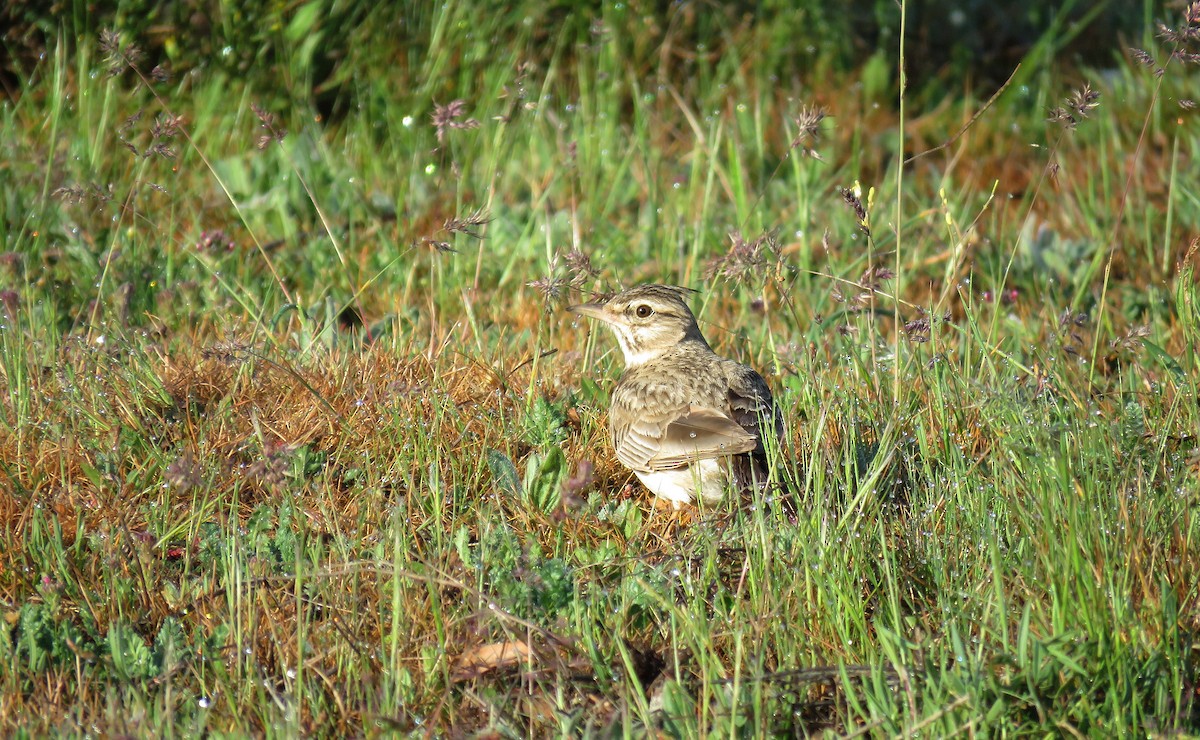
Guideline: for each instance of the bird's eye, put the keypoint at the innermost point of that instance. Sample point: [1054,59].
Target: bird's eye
[643,311]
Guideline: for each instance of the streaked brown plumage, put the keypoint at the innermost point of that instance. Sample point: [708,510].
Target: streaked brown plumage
[686,421]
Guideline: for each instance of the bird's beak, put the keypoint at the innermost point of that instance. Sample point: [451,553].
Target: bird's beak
[592,311]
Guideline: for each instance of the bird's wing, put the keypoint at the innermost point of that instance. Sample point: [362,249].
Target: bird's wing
[662,442]
[750,402]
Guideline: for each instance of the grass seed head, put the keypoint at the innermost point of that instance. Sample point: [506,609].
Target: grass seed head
[446,118]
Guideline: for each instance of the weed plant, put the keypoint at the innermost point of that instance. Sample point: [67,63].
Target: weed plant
[297,437]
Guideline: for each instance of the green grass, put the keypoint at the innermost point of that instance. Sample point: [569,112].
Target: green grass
[291,444]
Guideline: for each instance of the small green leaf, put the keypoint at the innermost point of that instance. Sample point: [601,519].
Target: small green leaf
[678,708]
[544,476]
[36,636]
[304,21]
[170,645]
[131,658]
[591,393]
[504,473]
[92,474]
[462,544]
[545,423]
[1164,359]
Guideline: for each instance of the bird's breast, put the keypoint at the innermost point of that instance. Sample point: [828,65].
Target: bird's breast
[673,384]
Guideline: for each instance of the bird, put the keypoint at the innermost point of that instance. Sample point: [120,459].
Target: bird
[690,424]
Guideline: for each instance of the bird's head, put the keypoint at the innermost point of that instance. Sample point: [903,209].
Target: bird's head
[649,320]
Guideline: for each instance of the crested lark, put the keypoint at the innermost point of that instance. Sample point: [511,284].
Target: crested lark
[687,422]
